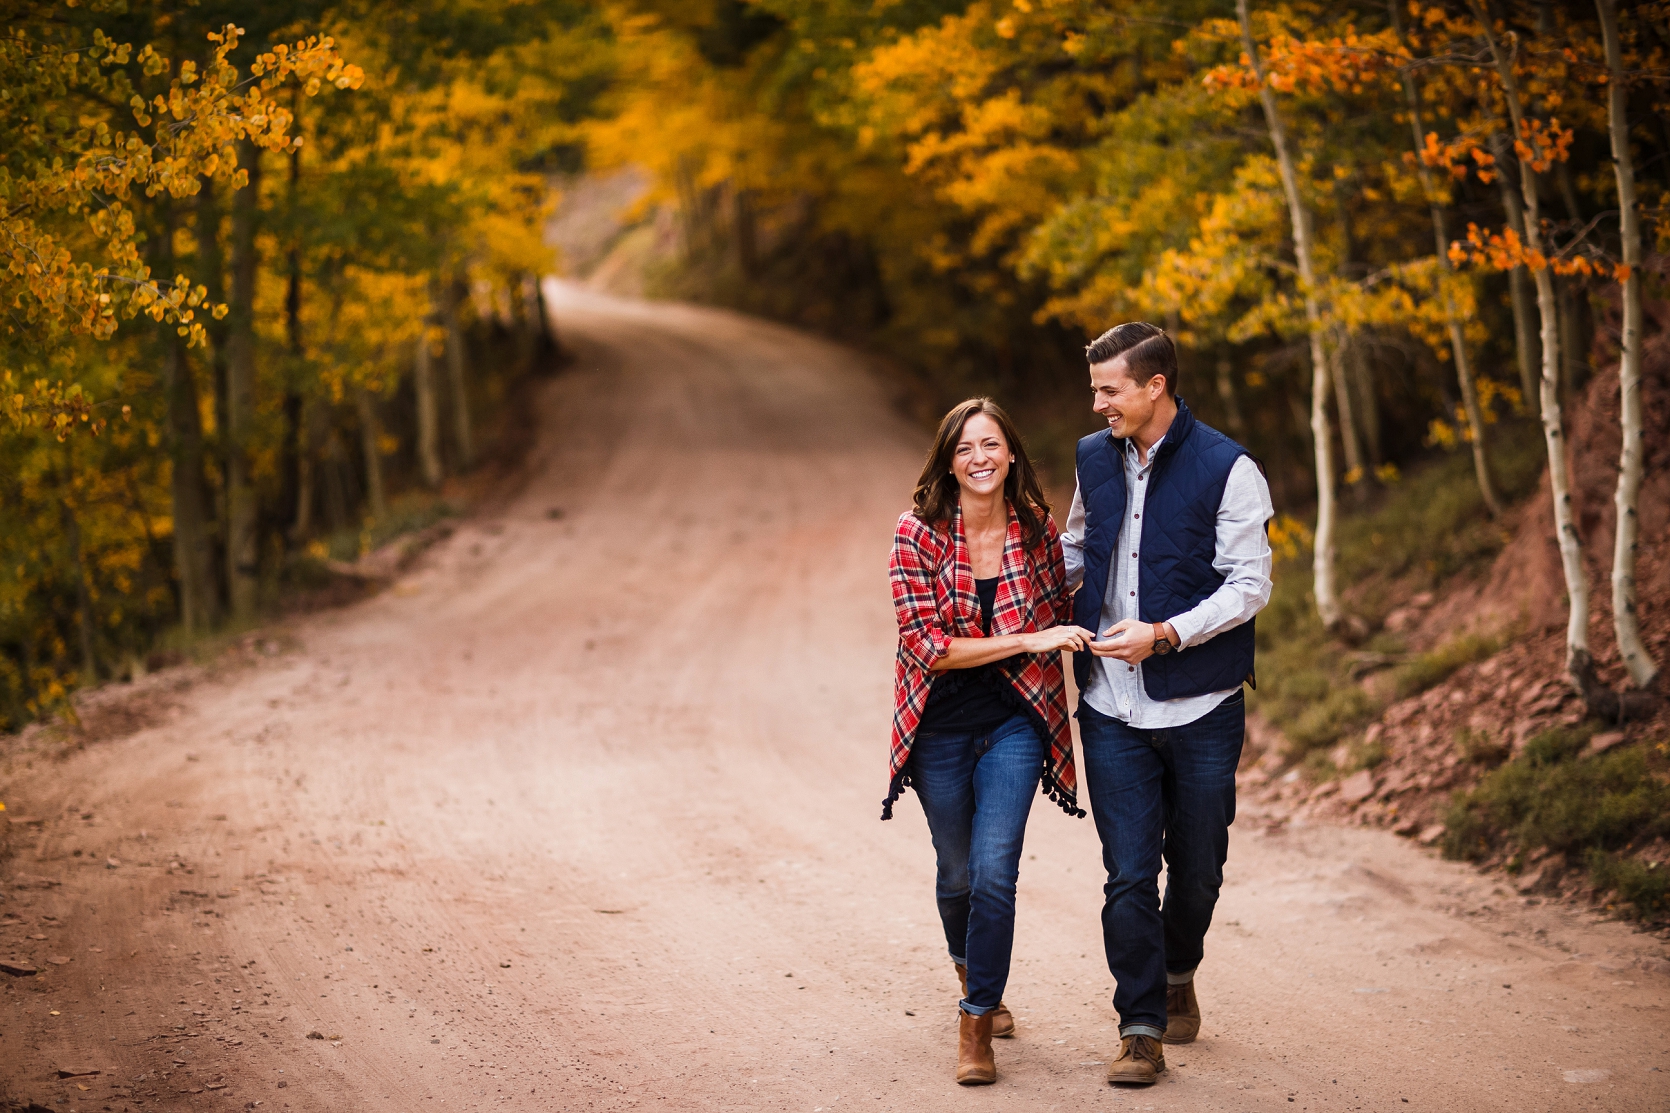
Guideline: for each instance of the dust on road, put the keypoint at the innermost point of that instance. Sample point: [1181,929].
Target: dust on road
[581,814]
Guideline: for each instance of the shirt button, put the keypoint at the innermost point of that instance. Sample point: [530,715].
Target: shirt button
[1133,556]
[1132,668]
[1133,593]
[1136,515]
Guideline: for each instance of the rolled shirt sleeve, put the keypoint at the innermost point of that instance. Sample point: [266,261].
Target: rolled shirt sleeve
[1242,557]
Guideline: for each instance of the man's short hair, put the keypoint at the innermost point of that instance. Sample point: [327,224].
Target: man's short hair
[1146,348]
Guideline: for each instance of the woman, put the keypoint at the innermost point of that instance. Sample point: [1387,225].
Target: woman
[980,704]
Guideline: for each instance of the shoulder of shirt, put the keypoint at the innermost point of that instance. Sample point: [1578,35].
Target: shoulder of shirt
[914,529]
[1087,442]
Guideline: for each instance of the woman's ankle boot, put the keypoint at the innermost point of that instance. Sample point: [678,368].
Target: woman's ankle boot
[975,1065]
[1003,1021]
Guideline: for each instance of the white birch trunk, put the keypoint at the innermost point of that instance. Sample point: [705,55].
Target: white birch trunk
[1553,421]
[1322,567]
[1625,621]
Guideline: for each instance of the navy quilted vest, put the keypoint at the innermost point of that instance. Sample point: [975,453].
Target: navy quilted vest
[1179,541]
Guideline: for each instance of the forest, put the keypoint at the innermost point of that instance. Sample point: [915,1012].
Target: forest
[271,273]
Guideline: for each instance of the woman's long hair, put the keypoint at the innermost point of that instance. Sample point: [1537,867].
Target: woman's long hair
[936,494]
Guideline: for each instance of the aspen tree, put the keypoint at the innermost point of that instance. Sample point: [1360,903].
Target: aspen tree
[1625,622]
[1327,600]
[1579,664]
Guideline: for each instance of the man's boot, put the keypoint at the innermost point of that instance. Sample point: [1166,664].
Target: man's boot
[1141,1059]
[1182,1013]
[975,1065]
[1003,1021]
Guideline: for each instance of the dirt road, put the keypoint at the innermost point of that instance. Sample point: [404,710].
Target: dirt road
[582,814]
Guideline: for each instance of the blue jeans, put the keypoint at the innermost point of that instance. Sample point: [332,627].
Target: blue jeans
[1160,793]
[977,790]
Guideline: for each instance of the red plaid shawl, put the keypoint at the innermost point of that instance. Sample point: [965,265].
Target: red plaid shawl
[933,596]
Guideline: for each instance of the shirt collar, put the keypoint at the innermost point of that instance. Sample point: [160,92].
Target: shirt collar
[1153,450]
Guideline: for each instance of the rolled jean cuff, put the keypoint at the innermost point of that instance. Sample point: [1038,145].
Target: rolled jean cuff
[1184,978]
[959,960]
[974,1010]
[1149,1030]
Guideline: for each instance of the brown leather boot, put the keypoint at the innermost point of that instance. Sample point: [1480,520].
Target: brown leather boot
[1182,1013]
[1141,1059]
[1003,1021]
[975,1065]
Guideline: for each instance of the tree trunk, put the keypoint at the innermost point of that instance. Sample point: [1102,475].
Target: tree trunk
[428,423]
[1327,599]
[295,462]
[85,626]
[448,299]
[241,542]
[370,432]
[1625,621]
[1553,423]
[1231,400]
[550,341]
[307,469]
[1349,441]
[1526,345]
[1368,405]
[183,430]
[1576,334]
[742,222]
[211,265]
[1452,317]
[193,553]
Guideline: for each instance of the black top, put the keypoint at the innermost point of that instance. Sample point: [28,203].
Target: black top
[972,699]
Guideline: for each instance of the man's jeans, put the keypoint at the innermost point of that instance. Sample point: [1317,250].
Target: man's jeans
[1154,793]
[977,791]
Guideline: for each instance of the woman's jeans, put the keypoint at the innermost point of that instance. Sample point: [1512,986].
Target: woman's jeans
[977,790]
[1159,793]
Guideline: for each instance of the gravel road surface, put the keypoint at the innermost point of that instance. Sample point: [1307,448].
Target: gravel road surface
[581,813]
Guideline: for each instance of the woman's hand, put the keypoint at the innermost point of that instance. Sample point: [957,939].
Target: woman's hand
[1071,638]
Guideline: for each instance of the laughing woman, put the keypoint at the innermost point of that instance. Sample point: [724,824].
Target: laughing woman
[979,700]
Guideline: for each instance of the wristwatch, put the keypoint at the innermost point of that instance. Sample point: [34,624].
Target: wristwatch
[1162,644]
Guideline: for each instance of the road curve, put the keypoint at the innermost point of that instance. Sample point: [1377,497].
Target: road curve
[582,814]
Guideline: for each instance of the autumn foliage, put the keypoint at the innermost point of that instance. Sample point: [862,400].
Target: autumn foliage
[248,260]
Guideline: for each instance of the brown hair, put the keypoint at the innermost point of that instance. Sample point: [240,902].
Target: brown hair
[1147,350]
[936,494]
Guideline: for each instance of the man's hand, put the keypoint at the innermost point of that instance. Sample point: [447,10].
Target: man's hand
[1131,641]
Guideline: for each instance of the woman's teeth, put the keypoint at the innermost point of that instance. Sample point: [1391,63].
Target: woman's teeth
[984,473]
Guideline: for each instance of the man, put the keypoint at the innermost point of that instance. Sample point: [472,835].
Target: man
[1166,542]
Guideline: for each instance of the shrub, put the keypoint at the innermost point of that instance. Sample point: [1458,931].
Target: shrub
[1580,807]
[1325,722]
[1480,747]
[1364,755]
[1435,666]
[1643,886]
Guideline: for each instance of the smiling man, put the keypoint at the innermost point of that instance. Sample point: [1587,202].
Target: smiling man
[1167,548]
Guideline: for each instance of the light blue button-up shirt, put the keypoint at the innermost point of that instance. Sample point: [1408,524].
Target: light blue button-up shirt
[1242,557]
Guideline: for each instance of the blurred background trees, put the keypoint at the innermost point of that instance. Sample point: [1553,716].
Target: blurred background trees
[253,326]
[257,261]
[1381,230]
